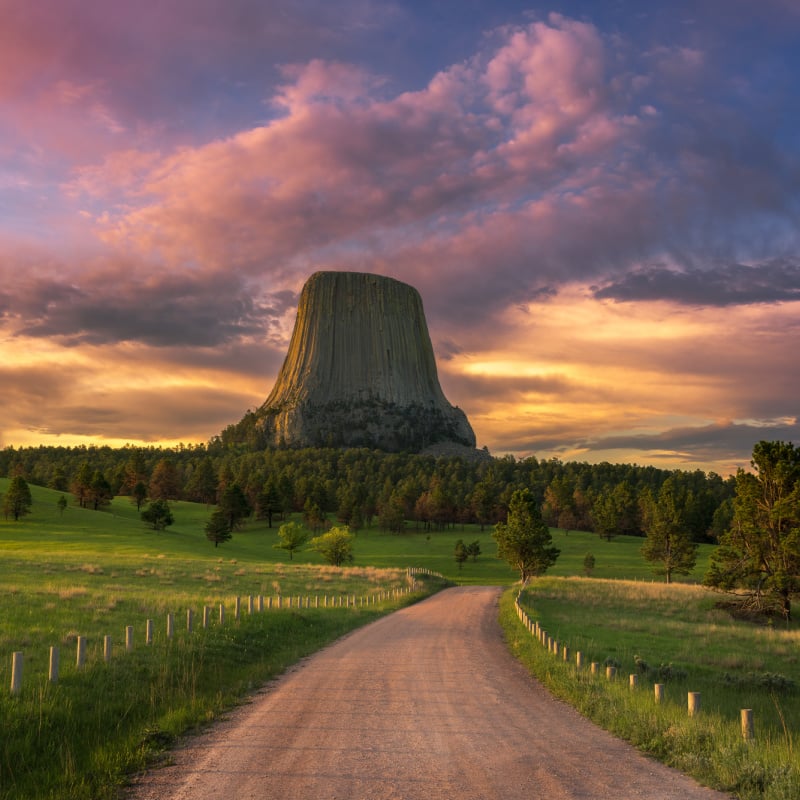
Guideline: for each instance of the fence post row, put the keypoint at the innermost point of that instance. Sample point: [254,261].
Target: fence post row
[552,645]
[253,602]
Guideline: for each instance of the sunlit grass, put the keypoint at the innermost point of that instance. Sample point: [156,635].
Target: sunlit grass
[92,574]
[87,573]
[688,644]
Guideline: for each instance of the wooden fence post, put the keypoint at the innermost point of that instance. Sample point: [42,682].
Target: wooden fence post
[694,703]
[579,660]
[129,638]
[206,614]
[170,625]
[658,690]
[53,671]
[565,653]
[80,655]
[107,648]
[747,724]
[16,672]
[250,604]
[611,672]
[221,614]
[189,620]
[148,632]
[633,680]
[595,668]
[237,607]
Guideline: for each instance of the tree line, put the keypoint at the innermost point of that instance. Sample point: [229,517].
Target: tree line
[753,516]
[361,486]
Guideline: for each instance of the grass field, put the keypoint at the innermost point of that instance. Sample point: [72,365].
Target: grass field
[90,573]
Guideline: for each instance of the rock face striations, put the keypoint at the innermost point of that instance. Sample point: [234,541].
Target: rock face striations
[360,372]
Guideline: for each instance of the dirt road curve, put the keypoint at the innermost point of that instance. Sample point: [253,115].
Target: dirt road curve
[426,703]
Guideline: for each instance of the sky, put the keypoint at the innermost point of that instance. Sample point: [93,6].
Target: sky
[598,201]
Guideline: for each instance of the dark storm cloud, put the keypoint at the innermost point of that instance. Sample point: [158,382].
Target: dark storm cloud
[718,442]
[774,281]
[169,310]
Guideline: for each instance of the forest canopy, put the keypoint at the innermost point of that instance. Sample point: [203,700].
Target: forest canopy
[359,485]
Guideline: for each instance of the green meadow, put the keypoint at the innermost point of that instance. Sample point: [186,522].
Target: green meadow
[92,573]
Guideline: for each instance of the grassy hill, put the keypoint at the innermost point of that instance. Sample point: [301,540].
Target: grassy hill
[79,535]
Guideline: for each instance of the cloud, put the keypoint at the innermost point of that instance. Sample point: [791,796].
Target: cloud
[119,394]
[187,309]
[601,218]
[720,442]
[180,414]
[552,155]
[478,137]
[775,281]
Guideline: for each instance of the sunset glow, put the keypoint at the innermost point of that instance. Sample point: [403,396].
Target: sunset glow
[598,207]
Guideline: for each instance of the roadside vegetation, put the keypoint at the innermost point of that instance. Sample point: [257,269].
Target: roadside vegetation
[75,572]
[675,635]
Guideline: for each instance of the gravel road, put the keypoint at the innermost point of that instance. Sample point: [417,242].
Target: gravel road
[425,703]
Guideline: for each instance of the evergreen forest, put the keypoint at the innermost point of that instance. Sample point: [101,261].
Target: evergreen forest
[359,487]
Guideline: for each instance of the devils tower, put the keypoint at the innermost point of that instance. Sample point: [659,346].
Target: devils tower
[360,372]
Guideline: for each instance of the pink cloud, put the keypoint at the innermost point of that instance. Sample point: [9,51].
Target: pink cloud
[556,69]
[346,169]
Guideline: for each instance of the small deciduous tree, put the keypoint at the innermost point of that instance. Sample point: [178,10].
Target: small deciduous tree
[524,540]
[17,501]
[474,549]
[335,546]
[291,536]
[62,505]
[158,515]
[460,553]
[588,564]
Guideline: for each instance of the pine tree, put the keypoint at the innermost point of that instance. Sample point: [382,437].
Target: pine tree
[17,501]
[524,540]
[218,529]
[668,544]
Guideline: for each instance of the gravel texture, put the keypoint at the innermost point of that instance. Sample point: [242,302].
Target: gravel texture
[425,703]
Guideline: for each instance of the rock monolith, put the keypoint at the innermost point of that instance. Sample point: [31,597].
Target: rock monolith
[360,372]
